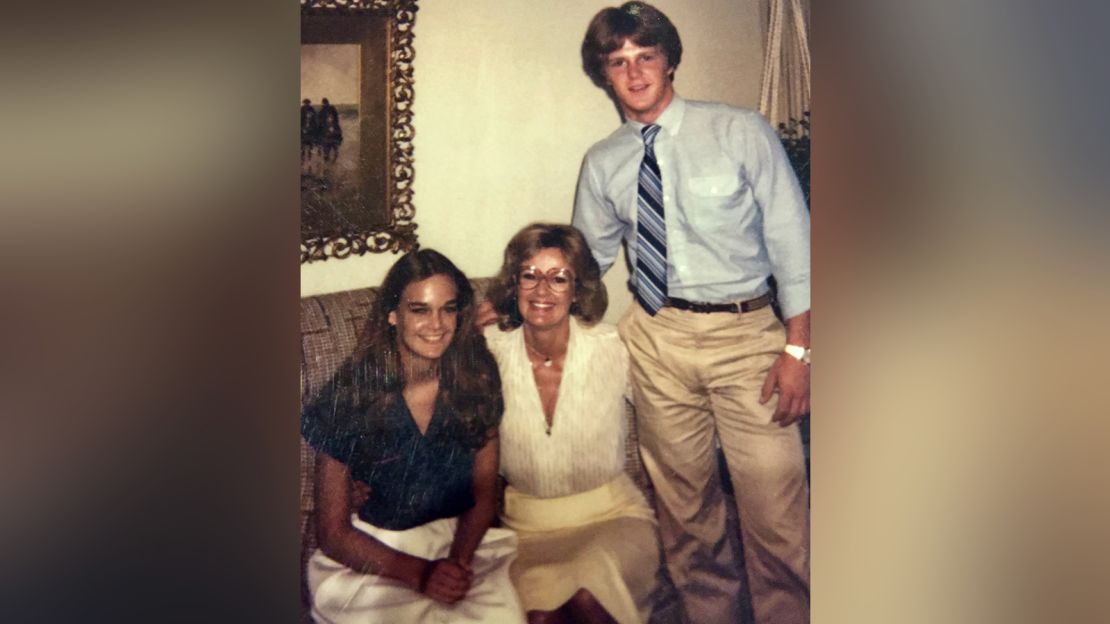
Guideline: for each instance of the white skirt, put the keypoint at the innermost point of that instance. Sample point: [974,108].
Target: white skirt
[340,595]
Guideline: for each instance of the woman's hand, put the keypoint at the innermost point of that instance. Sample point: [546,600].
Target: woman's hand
[360,493]
[445,580]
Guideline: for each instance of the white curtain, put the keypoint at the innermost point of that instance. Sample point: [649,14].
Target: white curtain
[786,67]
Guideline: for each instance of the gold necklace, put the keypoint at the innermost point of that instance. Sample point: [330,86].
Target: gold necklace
[546,358]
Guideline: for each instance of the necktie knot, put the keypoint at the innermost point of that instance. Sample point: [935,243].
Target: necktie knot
[649,131]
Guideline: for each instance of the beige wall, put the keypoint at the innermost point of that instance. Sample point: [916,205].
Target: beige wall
[504,113]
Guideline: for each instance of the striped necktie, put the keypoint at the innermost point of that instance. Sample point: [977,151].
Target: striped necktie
[651,230]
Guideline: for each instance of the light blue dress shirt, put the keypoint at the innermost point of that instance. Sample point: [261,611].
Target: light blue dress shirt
[735,213]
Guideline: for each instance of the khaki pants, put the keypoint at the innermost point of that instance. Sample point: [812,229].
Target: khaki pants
[697,377]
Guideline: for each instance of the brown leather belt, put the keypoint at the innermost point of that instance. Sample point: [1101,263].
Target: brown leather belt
[750,305]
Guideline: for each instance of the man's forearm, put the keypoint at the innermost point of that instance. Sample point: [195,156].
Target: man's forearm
[797,329]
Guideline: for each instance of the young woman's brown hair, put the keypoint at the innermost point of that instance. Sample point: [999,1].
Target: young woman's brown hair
[468,378]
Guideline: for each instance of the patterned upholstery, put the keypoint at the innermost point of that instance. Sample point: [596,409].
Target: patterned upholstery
[329,328]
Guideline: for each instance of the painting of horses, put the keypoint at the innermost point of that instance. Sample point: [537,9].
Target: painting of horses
[346,132]
[331,198]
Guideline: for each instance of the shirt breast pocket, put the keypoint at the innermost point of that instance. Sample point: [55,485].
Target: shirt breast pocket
[714,200]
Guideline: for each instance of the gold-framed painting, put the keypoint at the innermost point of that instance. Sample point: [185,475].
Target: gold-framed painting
[356,155]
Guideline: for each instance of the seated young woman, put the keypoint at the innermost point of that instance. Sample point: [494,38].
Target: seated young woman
[414,415]
[588,548]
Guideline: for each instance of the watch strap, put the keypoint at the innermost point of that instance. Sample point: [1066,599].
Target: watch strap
[798,352]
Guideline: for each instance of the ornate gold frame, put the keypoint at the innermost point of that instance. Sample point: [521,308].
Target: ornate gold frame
[398,234]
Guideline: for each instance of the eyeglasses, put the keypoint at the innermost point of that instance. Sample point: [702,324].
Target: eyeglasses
[558,280]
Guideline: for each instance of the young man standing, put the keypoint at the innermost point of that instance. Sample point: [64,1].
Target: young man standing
[708,206]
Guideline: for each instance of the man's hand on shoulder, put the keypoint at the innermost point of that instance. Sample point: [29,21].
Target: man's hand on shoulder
[790,377]
[485,315]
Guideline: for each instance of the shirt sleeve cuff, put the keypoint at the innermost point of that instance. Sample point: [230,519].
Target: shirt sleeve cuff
[793,300]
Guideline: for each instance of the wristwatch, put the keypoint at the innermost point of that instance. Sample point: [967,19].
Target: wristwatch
[799,352]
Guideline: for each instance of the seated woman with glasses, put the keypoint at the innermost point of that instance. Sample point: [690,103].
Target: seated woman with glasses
[413,414]
[588,550]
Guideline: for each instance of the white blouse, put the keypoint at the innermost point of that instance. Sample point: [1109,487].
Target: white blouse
[586,446]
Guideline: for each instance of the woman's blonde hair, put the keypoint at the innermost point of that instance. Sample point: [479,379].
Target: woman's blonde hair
[590,298]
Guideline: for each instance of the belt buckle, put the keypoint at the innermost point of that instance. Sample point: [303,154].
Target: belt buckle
[754,303]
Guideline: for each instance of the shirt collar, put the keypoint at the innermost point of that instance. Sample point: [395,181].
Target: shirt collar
[669,120]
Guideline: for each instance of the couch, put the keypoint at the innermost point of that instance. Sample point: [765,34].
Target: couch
[329,327]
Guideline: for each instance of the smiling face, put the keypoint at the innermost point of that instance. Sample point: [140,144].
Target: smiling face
[642,80]
[542,307]
[426,318]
